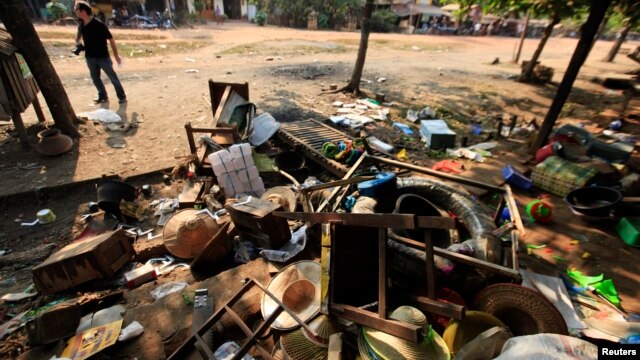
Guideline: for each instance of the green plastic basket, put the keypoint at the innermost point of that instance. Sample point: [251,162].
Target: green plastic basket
[629,230]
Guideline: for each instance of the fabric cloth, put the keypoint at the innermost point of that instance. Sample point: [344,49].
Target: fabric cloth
[95,35]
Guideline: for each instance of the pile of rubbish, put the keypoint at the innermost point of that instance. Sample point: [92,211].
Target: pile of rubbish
[376,265]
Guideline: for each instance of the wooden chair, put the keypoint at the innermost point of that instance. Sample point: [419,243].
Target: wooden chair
[220,94]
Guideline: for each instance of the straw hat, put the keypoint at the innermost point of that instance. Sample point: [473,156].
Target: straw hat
[393,348]
[485,346]
[366,353]
[298,287]
[282,195]
[524,311]
[459,332]
[300,345]
[187,232]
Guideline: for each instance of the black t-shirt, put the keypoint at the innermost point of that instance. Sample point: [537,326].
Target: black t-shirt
[95,35]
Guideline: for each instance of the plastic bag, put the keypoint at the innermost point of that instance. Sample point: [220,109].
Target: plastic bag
[166,289]
[132,330]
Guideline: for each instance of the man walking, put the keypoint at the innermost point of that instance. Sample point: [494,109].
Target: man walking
[95,35]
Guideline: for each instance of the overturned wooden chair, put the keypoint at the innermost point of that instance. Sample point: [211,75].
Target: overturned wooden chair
[225,97]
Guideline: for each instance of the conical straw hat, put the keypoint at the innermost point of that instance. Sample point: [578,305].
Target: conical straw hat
[389,347]
[459,332]
[282,195]
[187,232]
[298,287]
[296,346]
[324,327]
[363,348]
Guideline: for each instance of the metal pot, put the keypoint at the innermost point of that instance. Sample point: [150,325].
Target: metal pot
[594,200]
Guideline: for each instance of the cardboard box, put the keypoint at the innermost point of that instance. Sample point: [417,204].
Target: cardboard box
[99,257]
[141,275]
[55,323]
[437,134]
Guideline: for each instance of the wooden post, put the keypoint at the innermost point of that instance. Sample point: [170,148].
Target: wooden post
[382,273]
[430,263]
[598,10]
[38,109]
[22,132]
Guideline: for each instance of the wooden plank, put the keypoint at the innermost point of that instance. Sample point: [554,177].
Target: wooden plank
[430,264]
[203,348]
[18,89]
[252,339]
[513,210]
[14,96]
[453,311]
[382,273]
[219,110]
[335,191]
[216,90]
[370,319]
[331,184]
[398,221]
[238,320]
[464,259]
[185,348]
[435,222]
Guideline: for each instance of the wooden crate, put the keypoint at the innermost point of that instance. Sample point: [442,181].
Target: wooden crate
[255,222]
[99,257]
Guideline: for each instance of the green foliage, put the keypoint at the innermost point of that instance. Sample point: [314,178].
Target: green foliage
[198,5]
[323,21]
[383,21]
[336,12]
[57,10]
[261,18]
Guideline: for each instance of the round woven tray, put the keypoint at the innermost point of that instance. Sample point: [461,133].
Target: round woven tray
[524,311]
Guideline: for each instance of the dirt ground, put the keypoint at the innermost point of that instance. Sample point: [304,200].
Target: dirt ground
[165,76]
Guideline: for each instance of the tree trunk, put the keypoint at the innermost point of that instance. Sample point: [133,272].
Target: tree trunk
[516,59]
[601,28]
[356,76]
[618,43]
[527,73]
[596,13]
[36,7]
[18,24]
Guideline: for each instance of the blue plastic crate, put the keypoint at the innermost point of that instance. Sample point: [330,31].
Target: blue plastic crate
[515,178]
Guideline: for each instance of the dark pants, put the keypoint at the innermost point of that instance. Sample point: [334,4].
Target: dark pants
[95,65]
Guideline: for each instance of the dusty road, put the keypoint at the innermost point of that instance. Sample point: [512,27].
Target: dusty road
[165,75]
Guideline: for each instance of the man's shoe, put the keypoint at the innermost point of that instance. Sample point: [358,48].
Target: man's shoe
[122,101]
[100,100]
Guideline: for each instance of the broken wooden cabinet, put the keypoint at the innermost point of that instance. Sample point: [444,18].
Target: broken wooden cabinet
[254,220]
